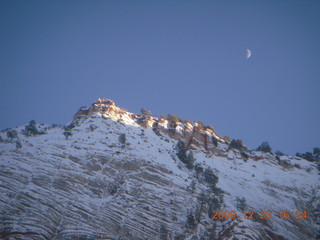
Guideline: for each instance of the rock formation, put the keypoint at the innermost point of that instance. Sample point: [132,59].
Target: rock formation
[121,175]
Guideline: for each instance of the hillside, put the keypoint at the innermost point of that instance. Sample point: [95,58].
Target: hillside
[112,174]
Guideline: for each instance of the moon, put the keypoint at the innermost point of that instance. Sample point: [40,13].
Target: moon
[248,53]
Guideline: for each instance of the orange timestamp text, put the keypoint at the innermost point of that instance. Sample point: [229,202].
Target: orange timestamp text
[259,215]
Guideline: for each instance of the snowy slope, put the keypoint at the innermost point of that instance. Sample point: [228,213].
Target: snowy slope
[92,186]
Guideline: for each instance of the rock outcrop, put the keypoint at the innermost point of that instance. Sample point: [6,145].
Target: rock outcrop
[191,133]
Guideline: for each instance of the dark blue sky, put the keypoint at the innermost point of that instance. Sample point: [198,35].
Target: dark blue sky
[180,57]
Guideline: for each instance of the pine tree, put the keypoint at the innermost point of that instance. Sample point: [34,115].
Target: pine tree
[11,133]
[181,151]
[264,147]
[237,144]
[241,203]
[67,134]
[31,129]
[210,178]
[316,154]
[199,169]
[190,160]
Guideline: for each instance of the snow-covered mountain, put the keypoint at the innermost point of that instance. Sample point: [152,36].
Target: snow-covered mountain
[112,174]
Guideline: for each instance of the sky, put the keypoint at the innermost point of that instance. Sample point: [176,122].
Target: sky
[187,58]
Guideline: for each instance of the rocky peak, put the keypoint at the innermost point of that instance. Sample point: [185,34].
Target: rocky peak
[193,134]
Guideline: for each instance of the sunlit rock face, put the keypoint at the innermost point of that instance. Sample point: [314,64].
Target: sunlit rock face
[192,133]
[120,175]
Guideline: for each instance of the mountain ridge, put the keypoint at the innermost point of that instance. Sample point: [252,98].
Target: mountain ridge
[121,175]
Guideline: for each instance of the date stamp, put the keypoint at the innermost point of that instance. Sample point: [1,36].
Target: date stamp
[260,215]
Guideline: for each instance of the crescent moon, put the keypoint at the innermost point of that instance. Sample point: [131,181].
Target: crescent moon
[248,53]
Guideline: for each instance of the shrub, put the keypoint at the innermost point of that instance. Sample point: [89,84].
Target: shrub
[145,112]
[18,145]
[297,165]
[210,178]
[11,133]
[155,128]
[174,118]
[142,132]
[70,126]
[316,154]
[199,169]
[209,127]
[244,155]
[214,141]
[237,144]
[264,147]
[309,156]
[241,203]
[113,188]
[217,191]
[227,139]
[122,139]
[67,134]
[192,186]
[191,222]
[92,127]
[279,153]
[214,203]
[201,125]
[163,116]
[156,131]
[285,163]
